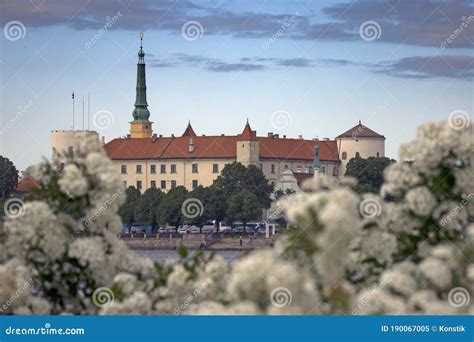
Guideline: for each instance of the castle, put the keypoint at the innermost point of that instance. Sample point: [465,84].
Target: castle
[145,159]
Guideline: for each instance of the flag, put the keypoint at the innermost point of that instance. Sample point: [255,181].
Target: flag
[73,95]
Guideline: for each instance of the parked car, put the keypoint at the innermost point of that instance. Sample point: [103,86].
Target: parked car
[163,230]
[194,230]
[238,230]
[208,228]
[225,229]
[137,229]
[183,230]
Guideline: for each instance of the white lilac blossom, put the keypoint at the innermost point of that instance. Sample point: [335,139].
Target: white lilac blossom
[334,260]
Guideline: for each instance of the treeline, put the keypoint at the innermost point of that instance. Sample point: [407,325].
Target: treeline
[238,194]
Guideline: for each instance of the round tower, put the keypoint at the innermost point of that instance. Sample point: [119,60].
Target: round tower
[359,141]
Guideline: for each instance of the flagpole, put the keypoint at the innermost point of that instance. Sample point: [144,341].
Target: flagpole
[73,110]
[83,113]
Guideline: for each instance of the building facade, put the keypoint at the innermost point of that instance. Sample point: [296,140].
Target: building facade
[147,160]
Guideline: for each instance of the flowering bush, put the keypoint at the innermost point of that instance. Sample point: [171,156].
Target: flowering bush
[407,250]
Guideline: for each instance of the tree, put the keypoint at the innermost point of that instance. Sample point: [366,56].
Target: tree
[235,177]
[369,172]
[280,193]
[8,177]
[127,210]
[196,211]
[169,210]
[216,205]
[244,207]
[146,207]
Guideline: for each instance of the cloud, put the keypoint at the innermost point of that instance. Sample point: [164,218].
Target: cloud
[421,23]
[417,67]
[429,67]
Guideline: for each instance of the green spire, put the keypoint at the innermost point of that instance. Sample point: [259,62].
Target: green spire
[141,112]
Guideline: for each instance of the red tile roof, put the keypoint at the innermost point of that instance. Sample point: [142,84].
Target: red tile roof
[360,131]
[301,177]
[26,185]
[189,132]
[247,134]
[206,147]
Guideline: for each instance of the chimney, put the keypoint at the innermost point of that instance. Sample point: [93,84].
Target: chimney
[191,145]
[154,137]
[128,136]
[172,135]
[160,136]
[103,140]
[326,139]
[270,134]
[300,137]
[276,136]
[284,136]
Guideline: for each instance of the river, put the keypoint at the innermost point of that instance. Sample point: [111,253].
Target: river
[163,255]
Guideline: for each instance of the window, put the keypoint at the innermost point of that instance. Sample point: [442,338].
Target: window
[123,169]
[344,155]
[139,185]
[195,184]
[273,168]
[357,155]
[125,183]
[163,184]
[323,169]
[378,154]
[299,169]
[54,151]
[261,167]
[139,169]
[61,167]
[173,184]
[153,184]
[334,171]
[215,168]
[195,168]
[286,167]
[173,168]
[163,168]
[152,168]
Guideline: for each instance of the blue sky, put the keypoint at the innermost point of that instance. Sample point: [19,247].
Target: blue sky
[252,58]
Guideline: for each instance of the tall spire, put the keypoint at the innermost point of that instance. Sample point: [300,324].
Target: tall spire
[141,127]
[141,112]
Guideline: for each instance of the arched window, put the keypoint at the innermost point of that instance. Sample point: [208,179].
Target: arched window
[344,155]
[378,154]
[357,155]
[54,151]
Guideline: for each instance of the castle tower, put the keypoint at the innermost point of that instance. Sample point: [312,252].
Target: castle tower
[248,147]
[359,141]
[141,127]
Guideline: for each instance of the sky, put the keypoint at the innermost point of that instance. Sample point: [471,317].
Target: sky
[311,68]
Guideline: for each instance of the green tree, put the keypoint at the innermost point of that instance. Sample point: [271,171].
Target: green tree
[146,207]
[8,177]
[196,212]
[127,210]
[369,172]
[235,177]
[244,207]
[169,210]
[216,204]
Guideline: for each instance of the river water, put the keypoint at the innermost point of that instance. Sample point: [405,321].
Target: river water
[163,255]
